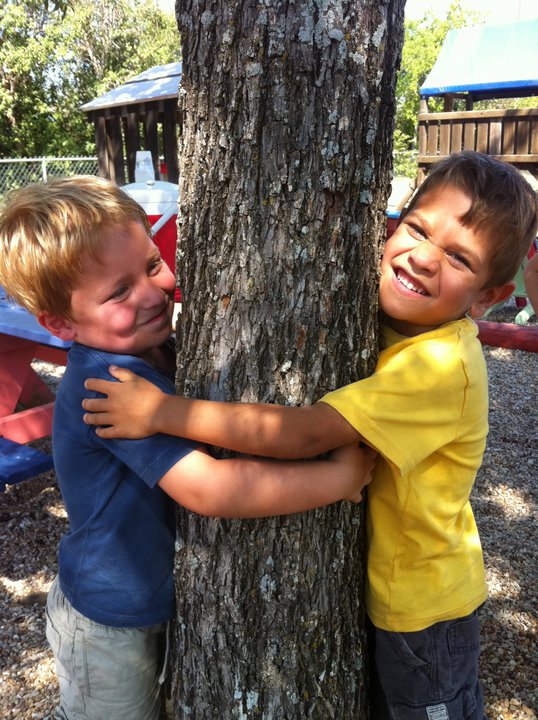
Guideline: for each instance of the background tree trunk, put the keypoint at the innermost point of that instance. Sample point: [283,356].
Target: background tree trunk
[288,112]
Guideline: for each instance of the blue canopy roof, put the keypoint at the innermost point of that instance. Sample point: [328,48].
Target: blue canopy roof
[488,60]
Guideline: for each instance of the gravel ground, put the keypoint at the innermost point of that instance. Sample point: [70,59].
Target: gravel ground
[32,519]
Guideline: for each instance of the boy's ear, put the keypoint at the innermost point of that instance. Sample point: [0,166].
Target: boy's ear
[58,326]
[490,297]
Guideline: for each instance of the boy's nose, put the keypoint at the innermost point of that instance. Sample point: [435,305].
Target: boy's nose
[426,256]
[152,292]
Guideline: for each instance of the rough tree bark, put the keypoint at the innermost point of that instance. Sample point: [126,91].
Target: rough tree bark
[285,157]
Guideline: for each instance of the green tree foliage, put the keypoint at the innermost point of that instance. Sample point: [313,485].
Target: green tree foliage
[57,55]
[423,41]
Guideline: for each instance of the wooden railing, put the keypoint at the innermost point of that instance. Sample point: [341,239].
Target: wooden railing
[510,135]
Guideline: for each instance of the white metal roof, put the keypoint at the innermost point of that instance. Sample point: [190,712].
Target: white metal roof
[157,83]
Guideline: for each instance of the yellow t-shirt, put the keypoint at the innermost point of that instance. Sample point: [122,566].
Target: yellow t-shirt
[425,411]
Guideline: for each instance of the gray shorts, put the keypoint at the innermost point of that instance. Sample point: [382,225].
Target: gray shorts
[105,673]
[431,674]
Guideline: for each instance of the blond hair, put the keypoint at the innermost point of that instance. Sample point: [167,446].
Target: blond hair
[47,230]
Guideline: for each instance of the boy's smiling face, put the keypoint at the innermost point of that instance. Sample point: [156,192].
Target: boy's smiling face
[124,302]
[434,269]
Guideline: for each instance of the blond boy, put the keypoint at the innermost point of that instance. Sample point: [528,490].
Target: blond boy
[77,253]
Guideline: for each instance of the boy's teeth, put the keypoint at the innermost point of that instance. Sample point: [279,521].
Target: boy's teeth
[408,284]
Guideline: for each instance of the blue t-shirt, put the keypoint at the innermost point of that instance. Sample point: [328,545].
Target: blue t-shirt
[116,561]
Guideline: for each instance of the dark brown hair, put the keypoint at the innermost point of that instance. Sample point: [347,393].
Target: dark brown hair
[504,207]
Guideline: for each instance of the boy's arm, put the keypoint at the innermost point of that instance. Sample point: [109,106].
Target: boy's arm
[245,488]
[136,408]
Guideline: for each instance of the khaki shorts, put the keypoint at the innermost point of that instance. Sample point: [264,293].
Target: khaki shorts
[105,673]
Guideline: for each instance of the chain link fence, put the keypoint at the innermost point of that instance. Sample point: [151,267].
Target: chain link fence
[19,172]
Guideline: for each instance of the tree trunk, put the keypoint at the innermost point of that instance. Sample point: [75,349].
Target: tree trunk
[288,111]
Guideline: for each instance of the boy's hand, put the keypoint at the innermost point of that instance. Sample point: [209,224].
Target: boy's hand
[129,408]
[359,461]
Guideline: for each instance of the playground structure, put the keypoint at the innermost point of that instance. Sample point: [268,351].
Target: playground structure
[141,114]
[483,63]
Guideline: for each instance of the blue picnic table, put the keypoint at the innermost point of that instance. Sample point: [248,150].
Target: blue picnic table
[15,321]
[26,403]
